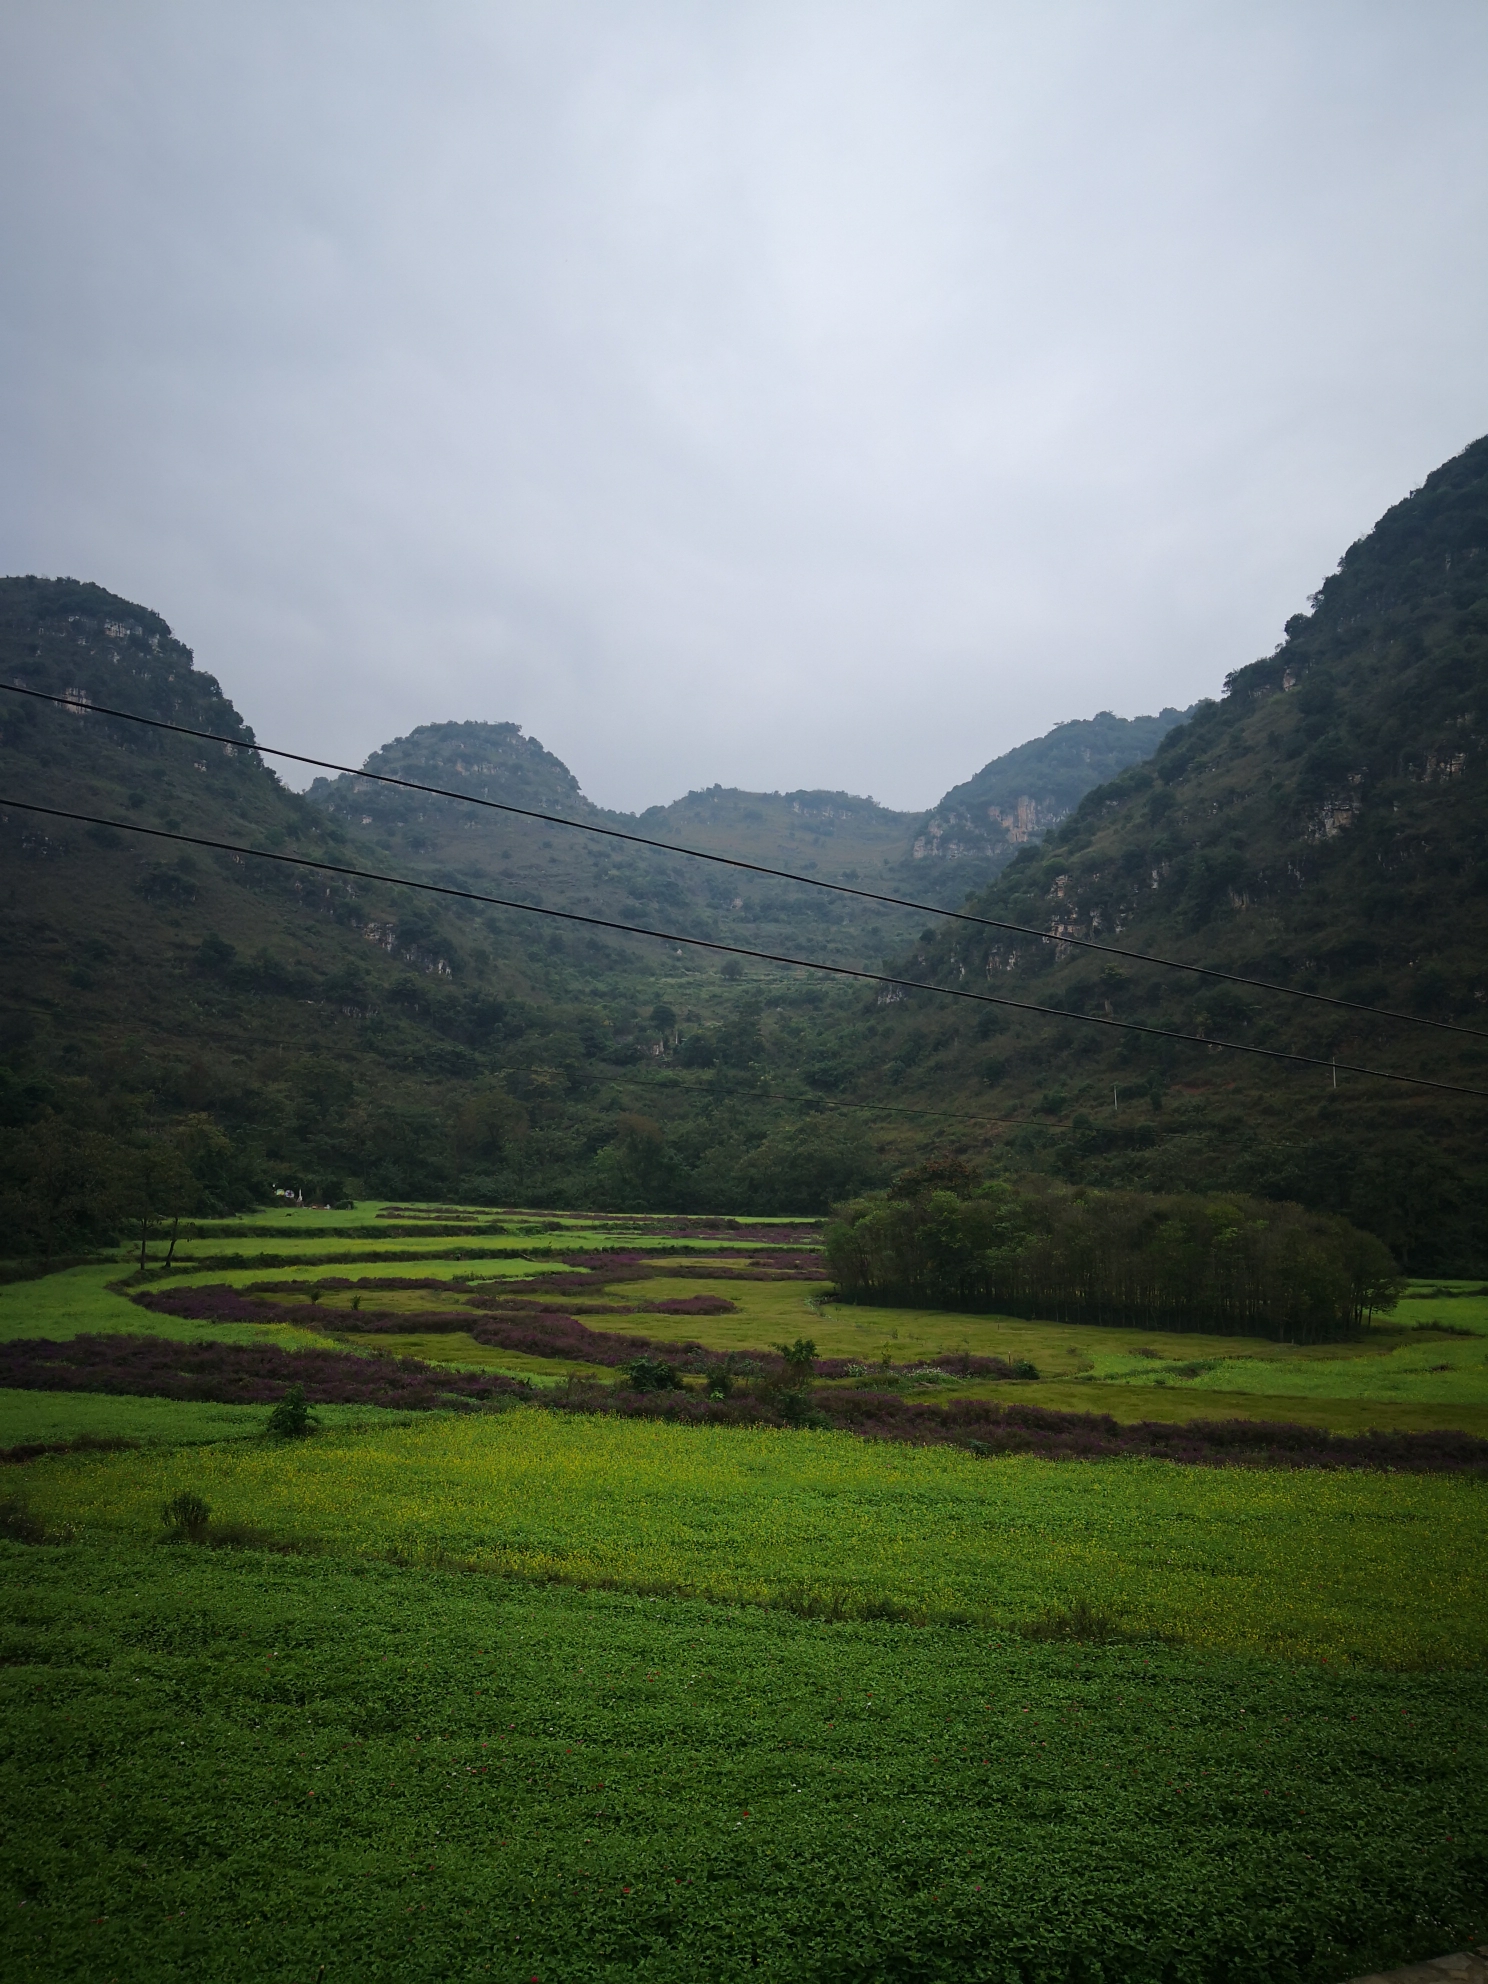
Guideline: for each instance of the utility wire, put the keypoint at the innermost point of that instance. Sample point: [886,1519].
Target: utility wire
[750,867]
[739,950]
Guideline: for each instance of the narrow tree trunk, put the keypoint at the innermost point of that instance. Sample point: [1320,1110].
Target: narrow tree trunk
[144,1229]
[171,1250]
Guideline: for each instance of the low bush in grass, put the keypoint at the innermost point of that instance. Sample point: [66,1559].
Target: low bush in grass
[185,1517]
[18,1524]
[292,1418]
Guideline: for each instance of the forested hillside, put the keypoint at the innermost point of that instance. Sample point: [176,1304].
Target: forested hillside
[1324,825]
[1018,799]
[177,1014]
[827,834]
[240,1025]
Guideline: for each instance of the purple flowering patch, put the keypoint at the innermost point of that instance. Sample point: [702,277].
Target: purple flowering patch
[548,1334]
[239,1374]
[692,1305]
[988,1427]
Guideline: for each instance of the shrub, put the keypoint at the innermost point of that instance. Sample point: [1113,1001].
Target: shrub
[800,1360]
[649,1374]
[797,1409]
[18,1525]
[1081,1622]
[185,1517]
[291,1418]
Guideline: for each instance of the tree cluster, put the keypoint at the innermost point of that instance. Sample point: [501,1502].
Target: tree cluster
[1182,1261]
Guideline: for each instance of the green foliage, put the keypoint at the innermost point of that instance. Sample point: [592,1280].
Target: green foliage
[434,1051]
[62,1186]
[291,1418]
[800,1358]
[1324,827]
[978,827]
[651,1374]
[186,1517]
[407,1774]
[1081,1621]
[1180,1261]
[17,1524]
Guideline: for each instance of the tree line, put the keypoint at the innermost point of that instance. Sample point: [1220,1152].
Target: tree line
[1225,1264]
[67,1187]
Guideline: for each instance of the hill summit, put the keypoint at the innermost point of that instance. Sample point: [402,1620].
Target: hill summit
[1324,826]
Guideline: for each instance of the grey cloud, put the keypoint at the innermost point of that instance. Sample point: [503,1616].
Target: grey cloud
[780,395]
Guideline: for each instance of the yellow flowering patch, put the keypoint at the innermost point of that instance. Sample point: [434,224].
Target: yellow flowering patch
[1388,1569]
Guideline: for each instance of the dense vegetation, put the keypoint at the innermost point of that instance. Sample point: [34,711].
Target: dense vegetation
[181,1031]
[540,1674]
[1227,1265]
[1014,802]
[269,1765]
[1324,826]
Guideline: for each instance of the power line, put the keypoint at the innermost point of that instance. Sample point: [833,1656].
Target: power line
[740,950]
[752,867]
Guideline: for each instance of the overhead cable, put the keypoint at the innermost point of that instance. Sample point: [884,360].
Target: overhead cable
[750,867]
[740,950]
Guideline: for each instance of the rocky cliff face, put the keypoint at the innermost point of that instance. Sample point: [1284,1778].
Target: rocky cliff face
[1019,798]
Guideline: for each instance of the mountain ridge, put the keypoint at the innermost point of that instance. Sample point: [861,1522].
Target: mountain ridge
[1039,781]
[1324,824]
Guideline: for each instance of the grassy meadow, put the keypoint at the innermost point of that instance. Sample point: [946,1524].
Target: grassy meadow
[521,1693]
[1426,1366]
[1387,1569]
[69,1417]
[267,1767]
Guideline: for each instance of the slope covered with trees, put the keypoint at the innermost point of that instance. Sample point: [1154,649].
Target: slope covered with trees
[185,1029]
[832,835]
[1019,798]
[216,1025]
[1323,826]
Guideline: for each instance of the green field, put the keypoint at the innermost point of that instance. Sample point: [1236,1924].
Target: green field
[62,1416]
[1402,1374]
[1431,1373]
[1390,1569]
[248,1767]
[534,1694]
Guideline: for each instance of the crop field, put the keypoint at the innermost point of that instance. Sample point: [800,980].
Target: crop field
[532,1688]
[1432,1373]
[287,1768]
[64,1417]
[1426,1367]
[1391,1569]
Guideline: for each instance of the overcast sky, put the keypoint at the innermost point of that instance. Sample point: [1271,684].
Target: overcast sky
[780,395]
